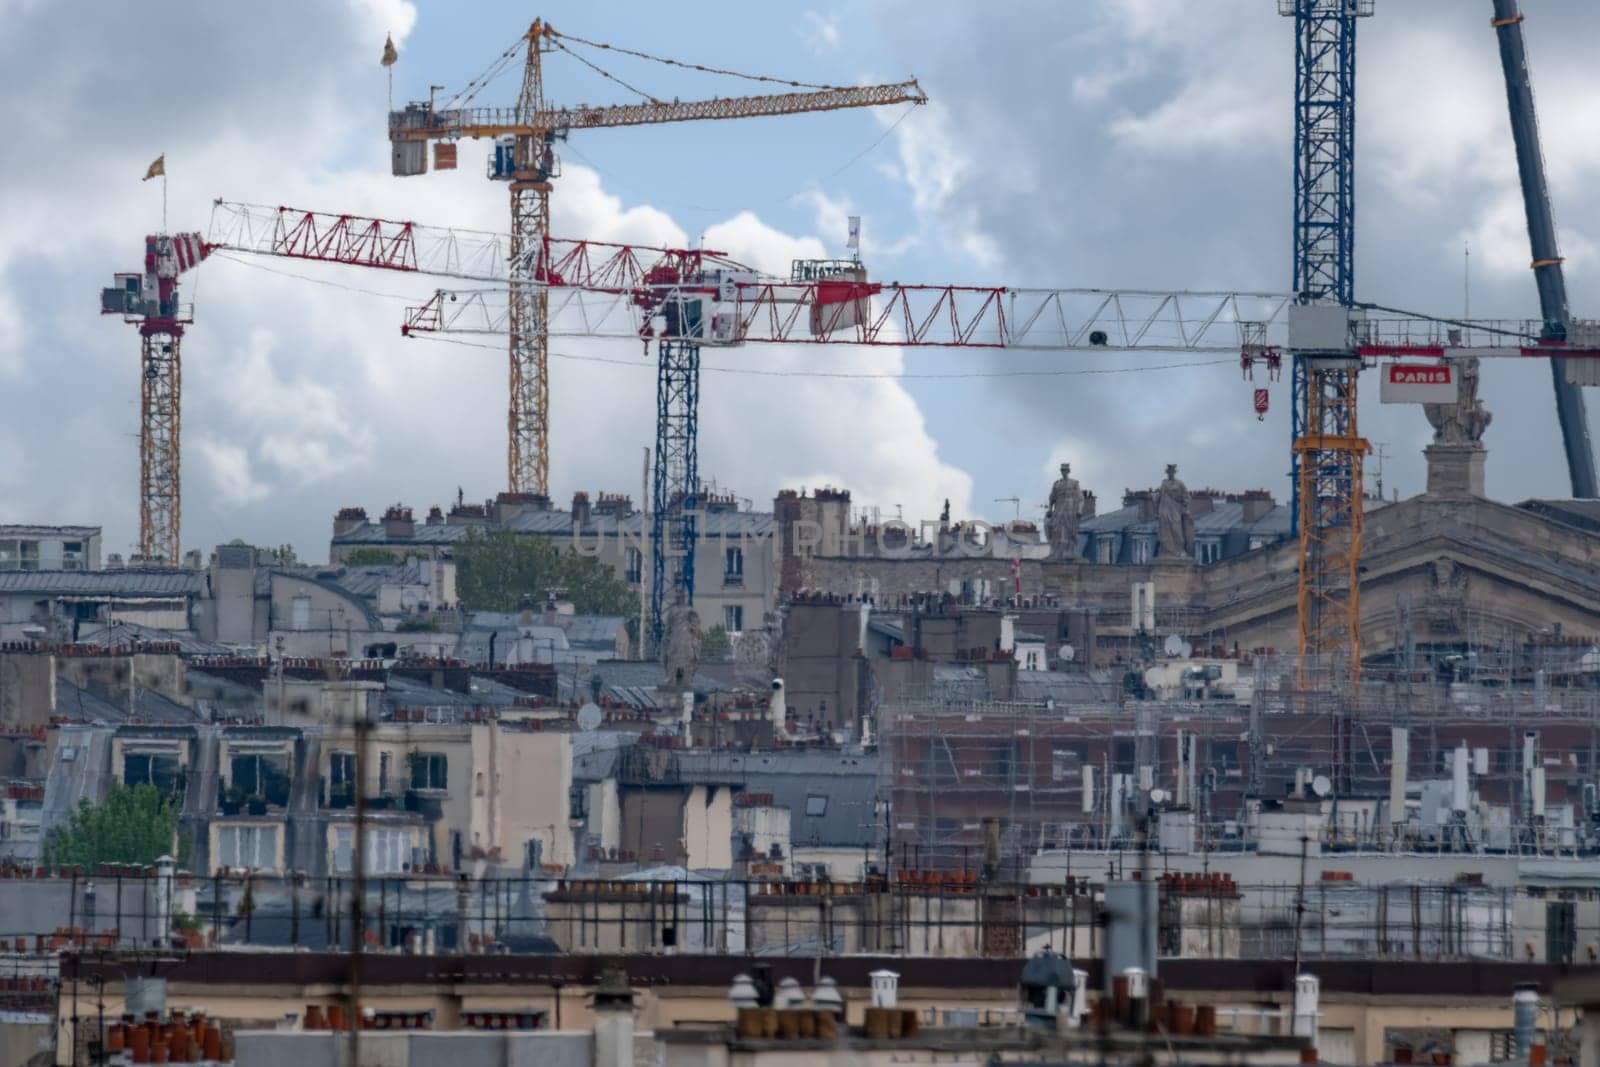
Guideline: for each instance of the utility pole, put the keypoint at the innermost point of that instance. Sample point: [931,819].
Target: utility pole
[644,579]
[358,887]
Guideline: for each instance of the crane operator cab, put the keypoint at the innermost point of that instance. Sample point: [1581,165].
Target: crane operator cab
[503,159]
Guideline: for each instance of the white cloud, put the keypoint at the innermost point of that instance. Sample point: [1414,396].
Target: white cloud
[1222,114]
[301,427]
[13,338]
[228,468]
[397,17]
[1096,85]
[822,33]
[831,217]
[939,170]
[749,240]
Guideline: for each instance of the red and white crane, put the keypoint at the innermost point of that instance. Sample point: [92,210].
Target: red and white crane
[149,299]
[699,297]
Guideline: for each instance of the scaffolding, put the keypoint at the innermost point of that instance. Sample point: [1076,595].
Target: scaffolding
[1067,776]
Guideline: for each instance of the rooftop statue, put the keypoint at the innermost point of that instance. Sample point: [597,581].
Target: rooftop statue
[1463,422]
[1174,523]
[1064,514]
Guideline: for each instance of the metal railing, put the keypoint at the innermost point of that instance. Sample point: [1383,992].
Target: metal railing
[920,914]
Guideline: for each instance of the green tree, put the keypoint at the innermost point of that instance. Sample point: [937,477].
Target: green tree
[715,646]
[358,557]
[503,570]
[133,825]
[496,572]
[594,588]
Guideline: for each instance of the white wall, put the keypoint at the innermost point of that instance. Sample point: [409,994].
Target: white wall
[708,828]
[526,795]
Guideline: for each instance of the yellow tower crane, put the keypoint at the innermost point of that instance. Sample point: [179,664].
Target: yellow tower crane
[523,156]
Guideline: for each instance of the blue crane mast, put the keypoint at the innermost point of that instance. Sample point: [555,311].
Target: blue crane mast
[1324,179]
[675,484]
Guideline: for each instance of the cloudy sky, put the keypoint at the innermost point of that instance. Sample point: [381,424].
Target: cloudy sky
[1134,143]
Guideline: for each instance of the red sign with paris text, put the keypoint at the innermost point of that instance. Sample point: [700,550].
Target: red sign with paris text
[1418,383]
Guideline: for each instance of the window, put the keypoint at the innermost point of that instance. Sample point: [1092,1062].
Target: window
[1106,550]
[342,768]
[816,804]
[388,850]
[18,555]
[532,854]
[1063,765]
[733,618]
[428,770]
[1141,550]
[341,779]
[578,801]
[733,566]
[300,613]
[343,844]
[160,769]
[1207,551]
[247,847]
[72,556]
[633,565]
[263,775]
[385,772]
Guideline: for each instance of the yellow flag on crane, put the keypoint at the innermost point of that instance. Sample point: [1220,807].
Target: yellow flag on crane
[157,169]
[389,54]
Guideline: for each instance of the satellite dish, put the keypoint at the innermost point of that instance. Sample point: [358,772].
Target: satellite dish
[1321,786]
[1159,796]
[590,717]
[1067,654]
[1173,645]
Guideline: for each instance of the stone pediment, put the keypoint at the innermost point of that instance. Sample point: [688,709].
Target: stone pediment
[1457,564]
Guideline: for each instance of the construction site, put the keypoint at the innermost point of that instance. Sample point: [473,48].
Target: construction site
[1290,772]
[1394,767]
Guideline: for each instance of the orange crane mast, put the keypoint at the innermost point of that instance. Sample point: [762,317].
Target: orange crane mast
[523,156]
[149,299]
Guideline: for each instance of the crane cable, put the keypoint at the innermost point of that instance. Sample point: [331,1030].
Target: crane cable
[759,373]
[693,66]
[626,183]
[466,93]
[605,73]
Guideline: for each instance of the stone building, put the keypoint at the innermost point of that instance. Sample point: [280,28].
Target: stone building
[1443,570]
[735,582]
[49,548]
